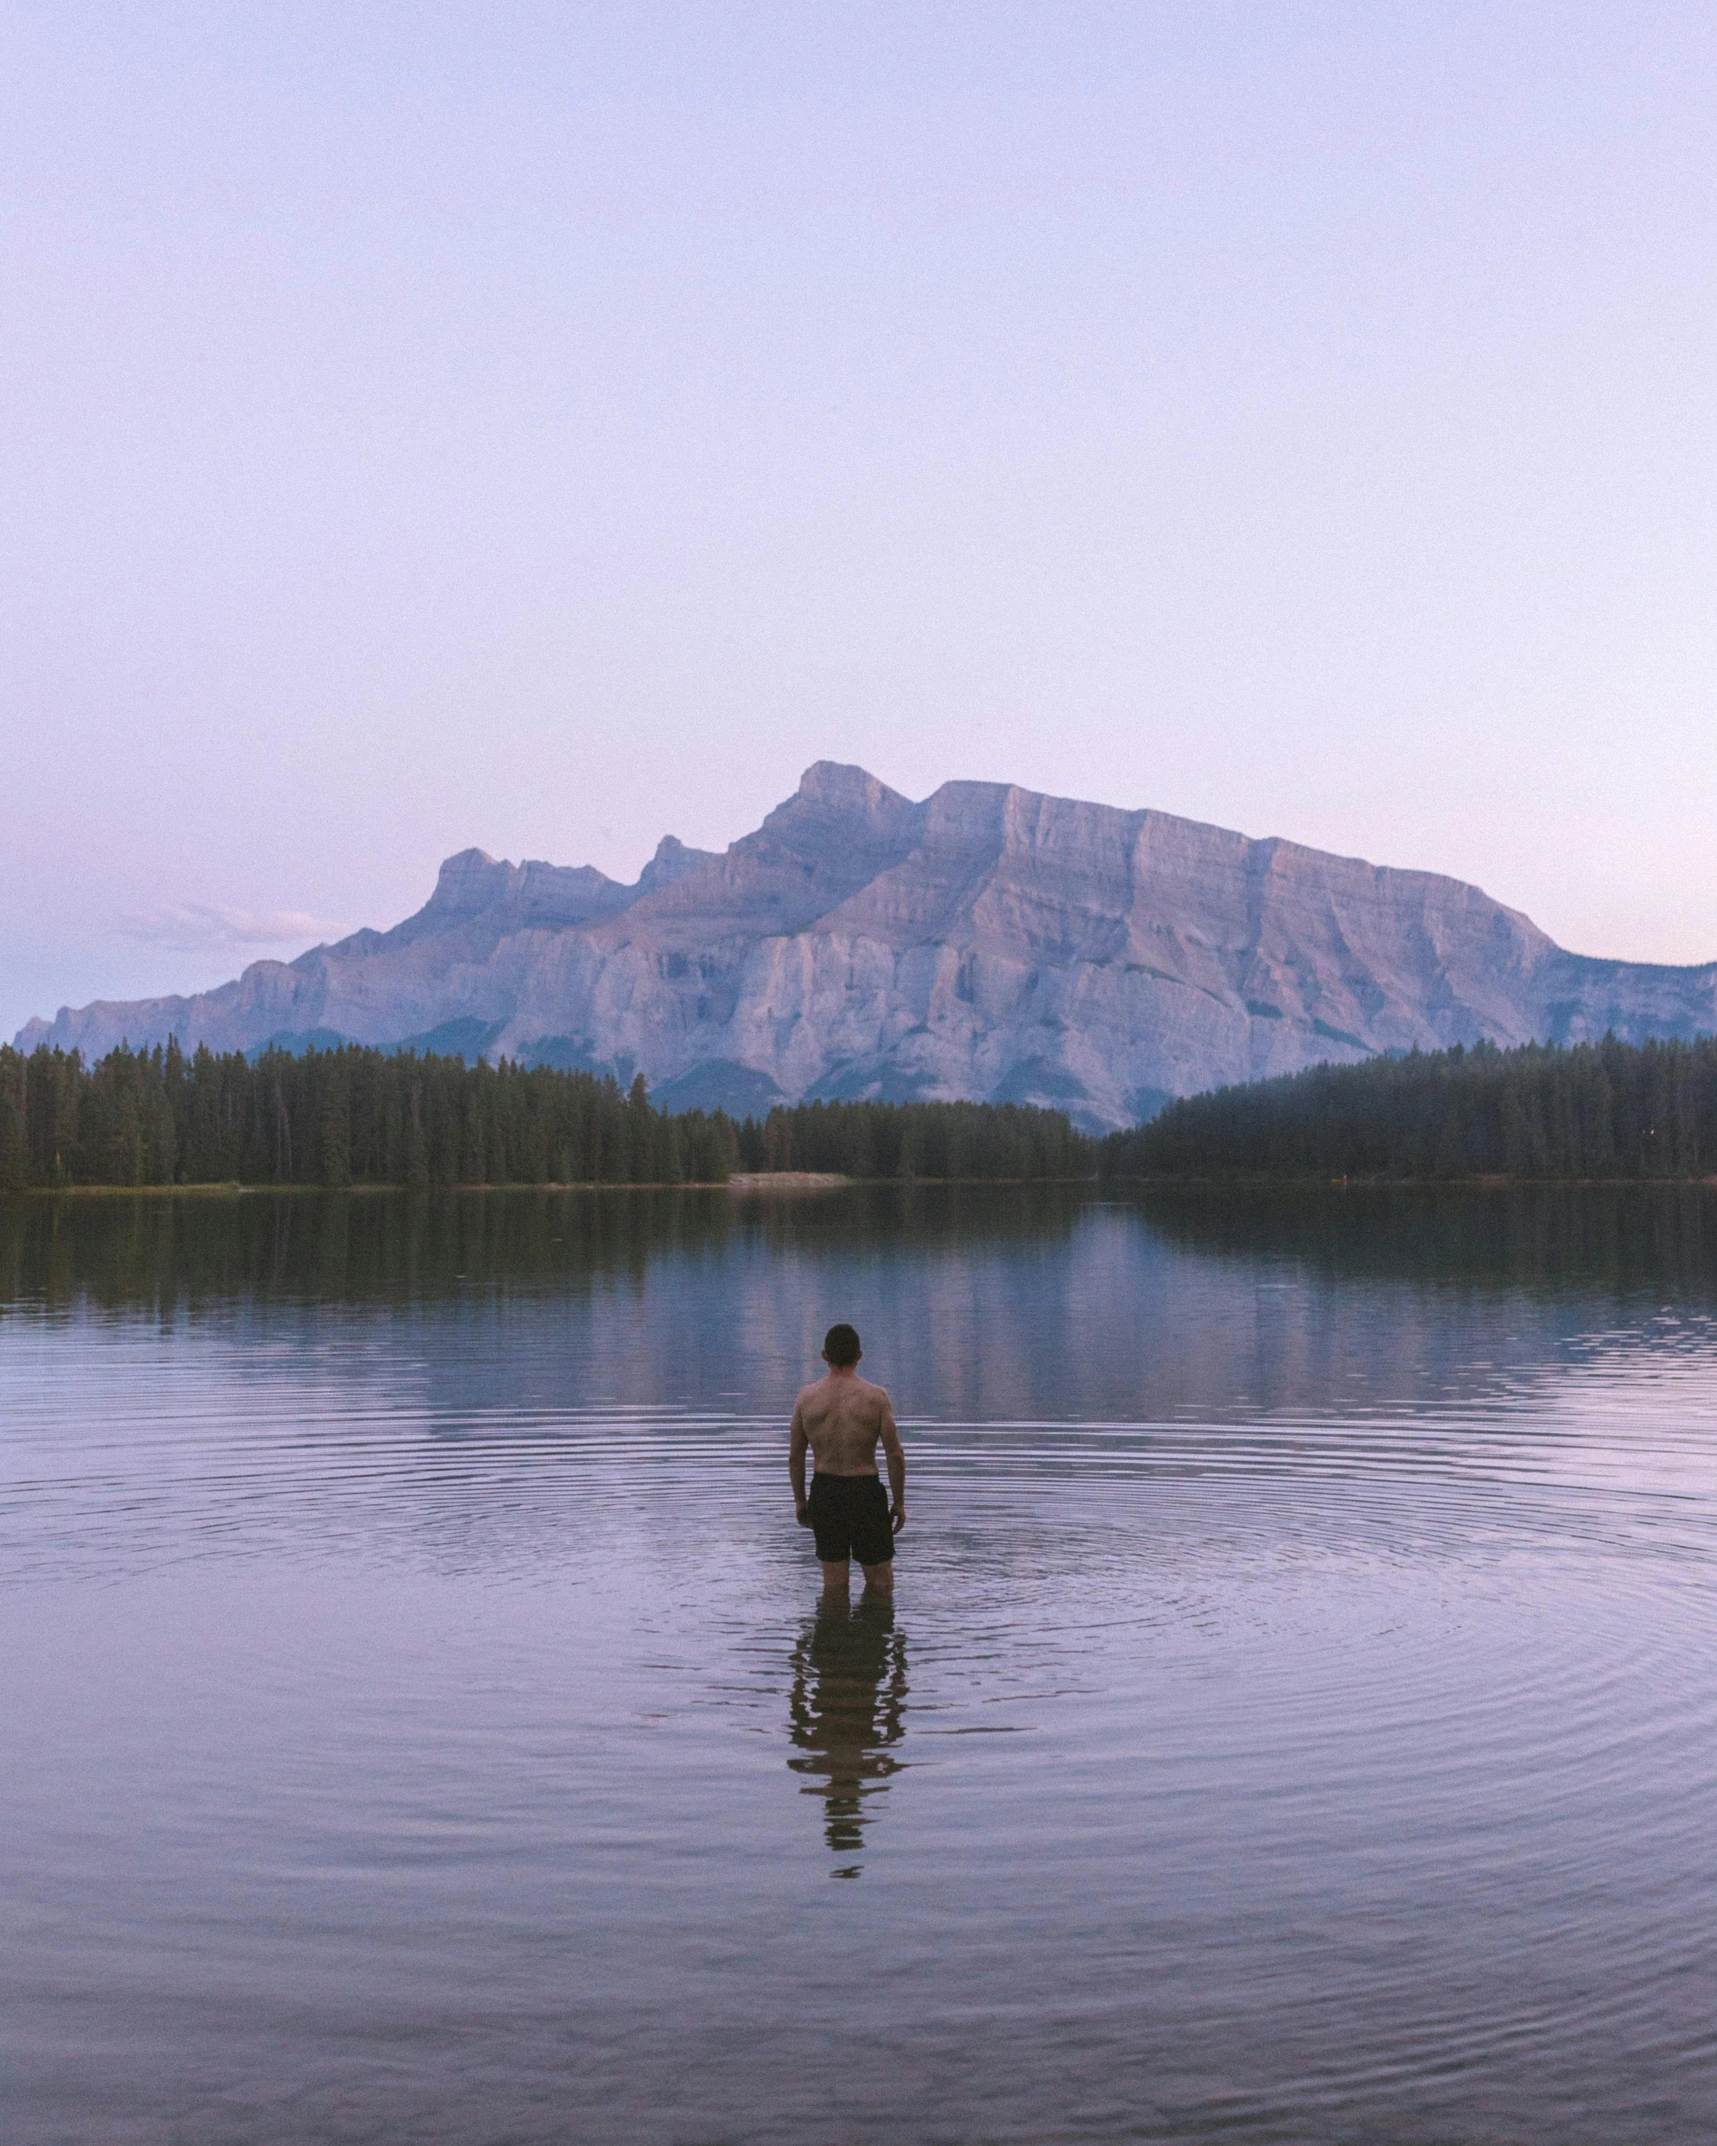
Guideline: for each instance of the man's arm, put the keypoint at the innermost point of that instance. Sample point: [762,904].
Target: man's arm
[796,1449]
[896,1465]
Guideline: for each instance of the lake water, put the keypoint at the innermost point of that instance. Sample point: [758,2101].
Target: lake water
[1297,1720]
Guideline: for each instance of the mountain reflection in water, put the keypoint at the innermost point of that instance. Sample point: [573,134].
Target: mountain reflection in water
[848,1709]
[420,1725]
[158,1250]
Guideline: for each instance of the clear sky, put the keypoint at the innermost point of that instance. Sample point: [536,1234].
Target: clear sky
[548,427]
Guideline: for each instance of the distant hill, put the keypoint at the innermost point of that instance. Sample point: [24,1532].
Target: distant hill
[985,944]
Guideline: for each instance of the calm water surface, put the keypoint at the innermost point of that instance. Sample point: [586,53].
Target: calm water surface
[1297,1721]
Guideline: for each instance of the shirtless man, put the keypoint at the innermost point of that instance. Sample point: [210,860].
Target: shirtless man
[840,1419]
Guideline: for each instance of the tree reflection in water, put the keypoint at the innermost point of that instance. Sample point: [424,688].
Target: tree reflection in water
[848,1708]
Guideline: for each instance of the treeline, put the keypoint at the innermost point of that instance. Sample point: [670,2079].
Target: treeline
[1595,1110]
[351,1116]
[913,1140]
[357,1116]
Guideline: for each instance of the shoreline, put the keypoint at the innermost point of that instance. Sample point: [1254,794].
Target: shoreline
[742,1181]
[753,1182]
[795,1181]
[1484,1181]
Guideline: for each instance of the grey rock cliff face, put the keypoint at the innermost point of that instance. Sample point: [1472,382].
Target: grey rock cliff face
[987,943]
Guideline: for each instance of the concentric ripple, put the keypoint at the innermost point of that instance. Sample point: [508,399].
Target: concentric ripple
[1295,1722]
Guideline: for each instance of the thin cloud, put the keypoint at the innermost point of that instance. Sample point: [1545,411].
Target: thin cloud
[192,928]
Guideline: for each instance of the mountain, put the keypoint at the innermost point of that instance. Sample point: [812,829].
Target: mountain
[988,942]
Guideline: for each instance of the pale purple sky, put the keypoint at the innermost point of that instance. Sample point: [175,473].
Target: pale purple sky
[550,427]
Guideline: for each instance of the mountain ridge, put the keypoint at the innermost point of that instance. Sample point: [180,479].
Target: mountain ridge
[986,942]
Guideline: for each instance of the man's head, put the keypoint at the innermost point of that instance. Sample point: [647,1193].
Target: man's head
[841,1348]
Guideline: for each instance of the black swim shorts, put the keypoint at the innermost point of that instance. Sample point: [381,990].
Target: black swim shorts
[849,1516]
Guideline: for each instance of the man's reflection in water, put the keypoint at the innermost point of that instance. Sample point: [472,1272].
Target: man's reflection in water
[848,1708]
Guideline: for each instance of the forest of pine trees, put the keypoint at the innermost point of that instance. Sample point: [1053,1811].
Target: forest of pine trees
[1596,1110]
[901,1140]
[356,1116]
[349,1116]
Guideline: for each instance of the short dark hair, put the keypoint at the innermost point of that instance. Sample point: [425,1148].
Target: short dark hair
[841,1346]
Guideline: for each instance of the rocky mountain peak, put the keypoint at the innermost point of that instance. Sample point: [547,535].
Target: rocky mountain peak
[468,881]
[990,942]
[831,792]
[671,863]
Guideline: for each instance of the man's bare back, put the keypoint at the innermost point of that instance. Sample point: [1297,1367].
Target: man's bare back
[843,1417]
[840,1421]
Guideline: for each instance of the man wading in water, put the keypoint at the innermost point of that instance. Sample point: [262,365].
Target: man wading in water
[840,1419]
